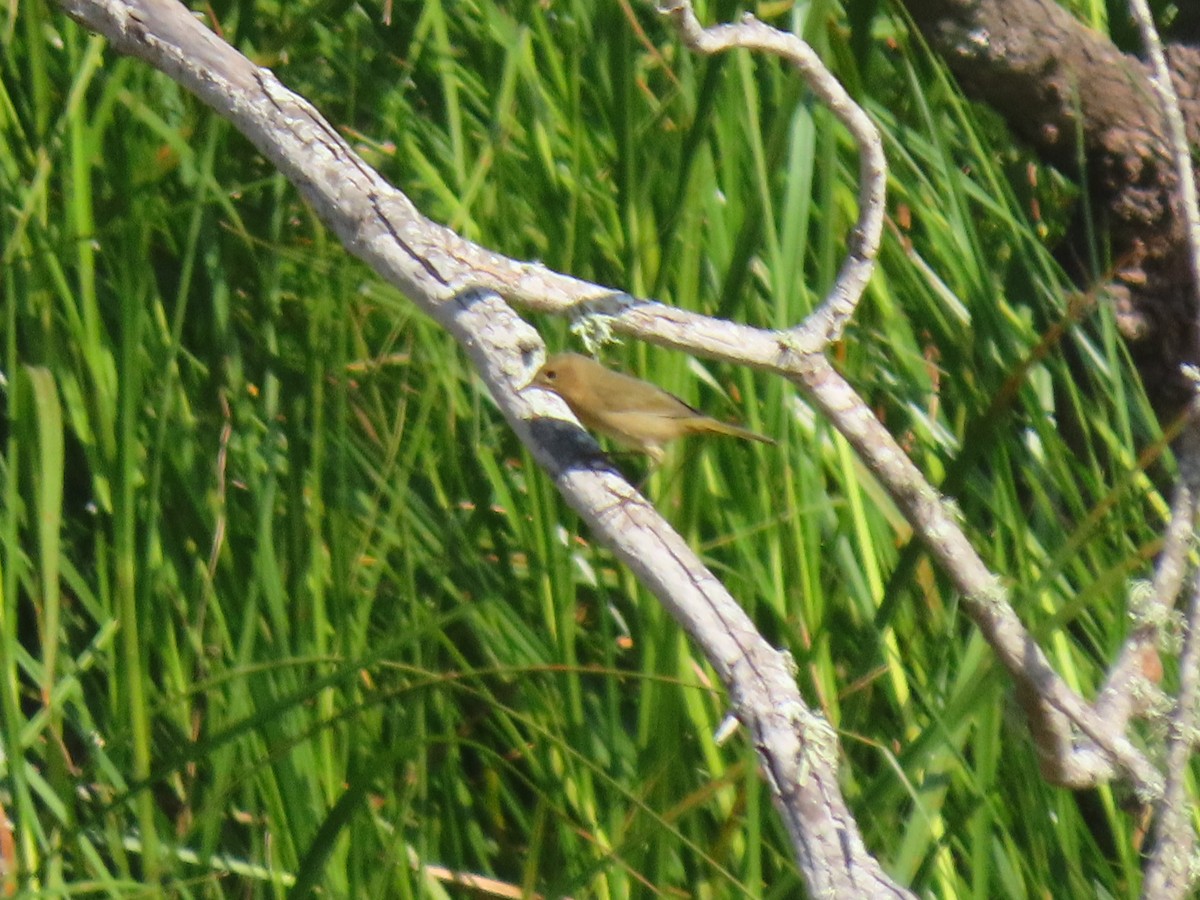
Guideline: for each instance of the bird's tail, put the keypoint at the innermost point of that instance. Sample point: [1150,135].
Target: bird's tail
[714,426]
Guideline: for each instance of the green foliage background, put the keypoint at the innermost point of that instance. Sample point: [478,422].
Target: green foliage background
[285,605]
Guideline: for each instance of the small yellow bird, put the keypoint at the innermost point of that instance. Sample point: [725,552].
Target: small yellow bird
[634,413]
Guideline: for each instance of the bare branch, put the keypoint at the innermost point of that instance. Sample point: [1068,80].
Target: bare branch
[1171,872]
[1128,690]
[751,34]
[1176,135]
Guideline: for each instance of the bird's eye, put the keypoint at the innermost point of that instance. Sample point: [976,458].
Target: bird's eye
[550,374]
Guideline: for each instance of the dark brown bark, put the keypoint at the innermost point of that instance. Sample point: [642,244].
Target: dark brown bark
[1090,110]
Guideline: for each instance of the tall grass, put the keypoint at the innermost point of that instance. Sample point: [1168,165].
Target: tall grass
[285,606]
